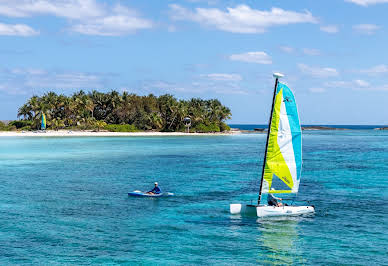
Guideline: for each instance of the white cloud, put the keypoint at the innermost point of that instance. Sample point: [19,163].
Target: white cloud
[5,88]
[358,85]
[17,30]
[223,77]
[318,72]
[193,88]
[305,51]
[367,2]
[23,80]
[354,84]
[27,71]
[209,2]
[317,90]
[338,84]
[380,88]
[368,29]
[252,57]
[361,83]
[376,70]
[308,51]
[69,80]
[230,91]
[242,18]
[329,28]
[72,9]
[287,49]
[123,21]
[86,16]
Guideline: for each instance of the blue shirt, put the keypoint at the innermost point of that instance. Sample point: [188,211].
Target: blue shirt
[156,190]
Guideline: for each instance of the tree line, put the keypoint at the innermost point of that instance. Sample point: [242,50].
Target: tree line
[99,110]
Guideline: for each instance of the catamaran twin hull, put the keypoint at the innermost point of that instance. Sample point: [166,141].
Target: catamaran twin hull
[266,211]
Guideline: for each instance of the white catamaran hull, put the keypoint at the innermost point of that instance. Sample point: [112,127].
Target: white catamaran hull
[265,211]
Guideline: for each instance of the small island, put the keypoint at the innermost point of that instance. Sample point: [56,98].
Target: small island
[120,112]
[307,128]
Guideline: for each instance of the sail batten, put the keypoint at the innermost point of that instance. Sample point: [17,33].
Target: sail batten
[282,168]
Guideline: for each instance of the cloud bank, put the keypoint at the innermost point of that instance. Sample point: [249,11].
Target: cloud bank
[367,2]
[223,77]
[252,57]
[85,16]
[367,29]
[318,72]
[376,70]
[330,28]
[26,80]
[241,19]
[17,30]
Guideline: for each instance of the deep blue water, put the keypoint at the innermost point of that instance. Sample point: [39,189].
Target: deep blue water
[64,201]
[355,127]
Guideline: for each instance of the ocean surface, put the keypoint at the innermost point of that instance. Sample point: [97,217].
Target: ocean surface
[64,201]
[354,127]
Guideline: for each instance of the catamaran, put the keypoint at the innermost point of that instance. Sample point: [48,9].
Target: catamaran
[282,164]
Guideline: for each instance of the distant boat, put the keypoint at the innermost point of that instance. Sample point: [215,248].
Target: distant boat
[43,122]
[282,164]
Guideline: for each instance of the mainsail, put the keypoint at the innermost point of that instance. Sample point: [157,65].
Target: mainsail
[283,163]
[43,122]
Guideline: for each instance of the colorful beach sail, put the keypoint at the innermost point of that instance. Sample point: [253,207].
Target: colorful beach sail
[43,122]
[283,165]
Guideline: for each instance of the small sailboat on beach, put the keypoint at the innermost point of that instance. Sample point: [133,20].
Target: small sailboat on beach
[43,122]
[282,164]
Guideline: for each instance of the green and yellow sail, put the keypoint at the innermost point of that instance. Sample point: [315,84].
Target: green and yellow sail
[283,164]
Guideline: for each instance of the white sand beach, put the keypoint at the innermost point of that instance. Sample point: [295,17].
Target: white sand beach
[69,133]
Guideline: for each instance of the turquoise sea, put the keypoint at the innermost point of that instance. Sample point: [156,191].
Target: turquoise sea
[64,201]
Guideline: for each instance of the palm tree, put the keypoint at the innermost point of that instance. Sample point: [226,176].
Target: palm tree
[25,111]
[100,124]
[145,112]
[57,123]
[156,121]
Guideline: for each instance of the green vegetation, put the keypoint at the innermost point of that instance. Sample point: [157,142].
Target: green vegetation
[122,112]
[121,128]
[8,127]
[2,126]
[20,123]
[203,128]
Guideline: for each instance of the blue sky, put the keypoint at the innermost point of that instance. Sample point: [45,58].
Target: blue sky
[333,53]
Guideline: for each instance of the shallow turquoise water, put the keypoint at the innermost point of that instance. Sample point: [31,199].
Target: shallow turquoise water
[64,201]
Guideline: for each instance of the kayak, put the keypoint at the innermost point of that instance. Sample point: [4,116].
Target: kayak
[138,193]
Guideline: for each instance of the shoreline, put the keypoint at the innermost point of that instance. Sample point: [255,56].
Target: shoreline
[70,133]
[90,133]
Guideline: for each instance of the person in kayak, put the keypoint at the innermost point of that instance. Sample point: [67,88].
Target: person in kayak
[273,201]
[155,190]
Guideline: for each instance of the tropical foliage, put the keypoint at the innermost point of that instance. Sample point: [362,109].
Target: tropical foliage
[123,112]
[4,127]
[121,128]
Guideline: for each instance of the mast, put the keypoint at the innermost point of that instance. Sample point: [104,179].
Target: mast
[276,76]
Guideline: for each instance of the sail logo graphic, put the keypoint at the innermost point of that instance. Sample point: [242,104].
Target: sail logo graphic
[280,183]
[287,99]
